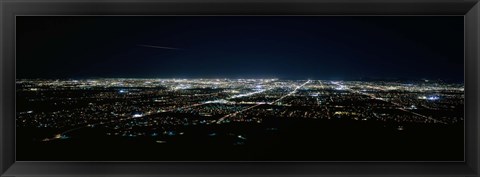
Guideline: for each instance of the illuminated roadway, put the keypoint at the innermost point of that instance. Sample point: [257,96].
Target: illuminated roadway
[58,136]
[256,105]
[399,106]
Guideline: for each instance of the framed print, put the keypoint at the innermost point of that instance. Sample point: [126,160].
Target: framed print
[239,88]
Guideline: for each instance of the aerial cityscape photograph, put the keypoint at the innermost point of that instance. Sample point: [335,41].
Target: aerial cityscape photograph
[240,88]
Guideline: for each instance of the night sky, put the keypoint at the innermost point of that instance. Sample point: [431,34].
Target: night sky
[290,47]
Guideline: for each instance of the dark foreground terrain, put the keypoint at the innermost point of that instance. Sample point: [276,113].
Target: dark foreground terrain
[273,140]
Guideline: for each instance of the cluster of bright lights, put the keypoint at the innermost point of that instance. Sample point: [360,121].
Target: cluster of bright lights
[430,98]
[137,115]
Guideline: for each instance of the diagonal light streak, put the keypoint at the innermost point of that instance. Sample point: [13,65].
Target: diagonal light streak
[158,47]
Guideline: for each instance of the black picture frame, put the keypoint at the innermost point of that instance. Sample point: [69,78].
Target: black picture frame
[11,8]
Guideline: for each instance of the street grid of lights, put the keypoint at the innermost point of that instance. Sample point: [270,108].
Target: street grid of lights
[157,107]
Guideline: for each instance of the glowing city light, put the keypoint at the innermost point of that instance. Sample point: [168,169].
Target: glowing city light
[137,115]
[433,98]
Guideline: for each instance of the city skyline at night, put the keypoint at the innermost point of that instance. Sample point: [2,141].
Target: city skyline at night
[240,88]
[223,115]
